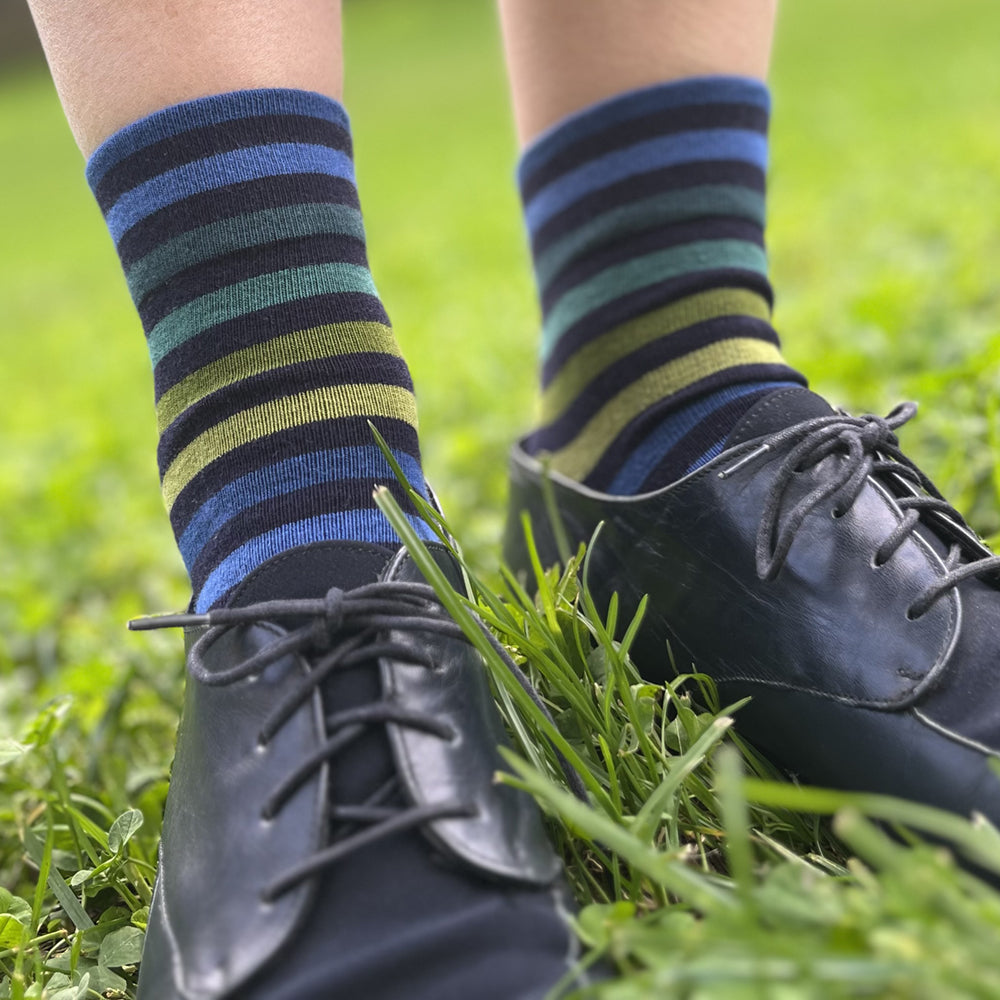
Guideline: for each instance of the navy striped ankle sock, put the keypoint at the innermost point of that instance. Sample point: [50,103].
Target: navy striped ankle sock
[646,219]
[237,221]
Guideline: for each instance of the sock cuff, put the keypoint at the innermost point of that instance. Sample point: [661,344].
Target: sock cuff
[206,112]
[621,109]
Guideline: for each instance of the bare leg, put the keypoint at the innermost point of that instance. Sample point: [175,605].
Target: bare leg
[114,61]
[563,55]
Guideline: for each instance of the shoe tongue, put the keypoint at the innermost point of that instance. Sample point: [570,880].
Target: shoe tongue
[311,570]
[776,411]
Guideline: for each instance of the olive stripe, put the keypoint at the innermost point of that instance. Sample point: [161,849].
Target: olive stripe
[601,353]
[303,345]
[579,457]
[328,403]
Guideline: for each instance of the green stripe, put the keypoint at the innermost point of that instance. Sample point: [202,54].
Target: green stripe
[327,403]
[239,233]
[248,296]
[705,201]
[596,356]
[578,458]
[333,339]
[622,279]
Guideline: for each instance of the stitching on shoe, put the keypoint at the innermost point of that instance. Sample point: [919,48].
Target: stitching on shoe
[401,555]
[955,737]
[767,404]
[840,699]
[526,471]
[898,704]
[176,965]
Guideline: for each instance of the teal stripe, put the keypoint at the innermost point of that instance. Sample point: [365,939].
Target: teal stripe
[686,205]
[239,233]
[623,279]
[249,296]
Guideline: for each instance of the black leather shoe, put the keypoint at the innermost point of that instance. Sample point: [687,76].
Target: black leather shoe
[813,567]
[333,829]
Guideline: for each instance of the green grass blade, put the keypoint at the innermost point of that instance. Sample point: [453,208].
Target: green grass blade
[63,893]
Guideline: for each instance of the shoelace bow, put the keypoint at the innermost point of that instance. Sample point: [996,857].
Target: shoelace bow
[869,447]
[344,629]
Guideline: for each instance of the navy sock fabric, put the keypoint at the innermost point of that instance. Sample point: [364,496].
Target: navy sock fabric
[646,219]
[237,221]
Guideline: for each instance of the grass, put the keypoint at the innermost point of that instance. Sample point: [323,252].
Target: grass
[703,878]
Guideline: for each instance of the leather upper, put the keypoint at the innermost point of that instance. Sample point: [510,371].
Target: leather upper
[210,927]
[222,853]
[692,548]
[505,838]
[831,629]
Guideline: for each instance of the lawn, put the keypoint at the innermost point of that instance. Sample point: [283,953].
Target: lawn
[885,248]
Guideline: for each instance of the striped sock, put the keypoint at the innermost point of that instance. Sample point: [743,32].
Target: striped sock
[646,218]
[236,218]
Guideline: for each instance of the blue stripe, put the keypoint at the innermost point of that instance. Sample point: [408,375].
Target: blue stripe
[636,104]
[312,469]
[671,431]
[205,112]
[367,524]
[712,452]
[643,157]
[212,172]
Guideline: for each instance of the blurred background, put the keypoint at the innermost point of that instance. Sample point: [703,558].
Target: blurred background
[19,47]
[884,239]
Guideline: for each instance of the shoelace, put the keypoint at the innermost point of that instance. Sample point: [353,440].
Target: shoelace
[869,447]
[341,632]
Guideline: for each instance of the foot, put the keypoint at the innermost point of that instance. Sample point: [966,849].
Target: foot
[814,568]
[333,828]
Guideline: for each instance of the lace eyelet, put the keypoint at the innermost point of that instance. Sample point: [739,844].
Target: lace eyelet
[912,617]
[876,563]
[836,513]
